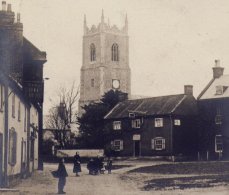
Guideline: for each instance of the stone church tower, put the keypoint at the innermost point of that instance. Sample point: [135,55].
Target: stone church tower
[105,61]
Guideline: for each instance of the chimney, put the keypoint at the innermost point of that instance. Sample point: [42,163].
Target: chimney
[188,90]
[122,96]
[9,8]
[217,70]
[3,6]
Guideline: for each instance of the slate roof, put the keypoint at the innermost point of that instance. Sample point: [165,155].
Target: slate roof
[151,106]
[210,91]
[30,52]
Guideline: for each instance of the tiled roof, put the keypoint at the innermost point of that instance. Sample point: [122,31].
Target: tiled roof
[210,92]
[30,52]
[149,106]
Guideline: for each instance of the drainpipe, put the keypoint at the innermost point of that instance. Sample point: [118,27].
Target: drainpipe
[6,137]
[171,139]
[28,141]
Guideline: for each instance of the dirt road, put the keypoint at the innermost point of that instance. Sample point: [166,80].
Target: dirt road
[43,183]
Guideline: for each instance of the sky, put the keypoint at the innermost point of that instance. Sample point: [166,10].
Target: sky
[171,42]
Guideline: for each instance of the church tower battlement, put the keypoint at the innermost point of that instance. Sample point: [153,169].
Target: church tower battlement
[105,27]
[105,64]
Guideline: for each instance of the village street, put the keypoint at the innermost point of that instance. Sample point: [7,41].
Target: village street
[113,184]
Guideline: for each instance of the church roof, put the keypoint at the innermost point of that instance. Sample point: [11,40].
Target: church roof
[173,104]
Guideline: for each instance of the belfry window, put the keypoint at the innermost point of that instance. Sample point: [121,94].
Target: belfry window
[114,52]
[92,52]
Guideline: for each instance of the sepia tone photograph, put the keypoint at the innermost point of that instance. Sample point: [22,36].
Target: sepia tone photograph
[114,97]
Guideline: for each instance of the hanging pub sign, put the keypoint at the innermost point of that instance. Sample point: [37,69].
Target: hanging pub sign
[34,91]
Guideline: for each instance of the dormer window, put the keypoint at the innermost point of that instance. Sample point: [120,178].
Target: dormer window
[220,89]
[131,115]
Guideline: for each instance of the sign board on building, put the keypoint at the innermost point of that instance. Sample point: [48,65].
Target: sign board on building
[136,137]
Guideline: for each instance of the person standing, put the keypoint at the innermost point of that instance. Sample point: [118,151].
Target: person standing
[109,165]
[77,166]
[61,174]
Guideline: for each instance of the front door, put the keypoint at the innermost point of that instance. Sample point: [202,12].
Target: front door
[137,148]
[1,159]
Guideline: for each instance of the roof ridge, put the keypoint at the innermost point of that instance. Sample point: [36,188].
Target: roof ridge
[155,97]
[176,106]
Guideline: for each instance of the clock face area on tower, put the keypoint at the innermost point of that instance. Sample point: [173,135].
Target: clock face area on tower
[115,84]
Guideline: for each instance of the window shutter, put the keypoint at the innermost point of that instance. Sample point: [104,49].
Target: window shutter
[163,143]
[152,144]
[14,149]
[121,144]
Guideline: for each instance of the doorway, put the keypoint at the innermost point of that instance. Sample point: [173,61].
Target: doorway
[137,148]
[1,160]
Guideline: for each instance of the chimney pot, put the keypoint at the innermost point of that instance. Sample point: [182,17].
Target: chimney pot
[18,17]
[3,6]
[9,8]
[217,63]
[188,90]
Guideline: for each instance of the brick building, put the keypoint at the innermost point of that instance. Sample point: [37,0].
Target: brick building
[213,104]
[157,126]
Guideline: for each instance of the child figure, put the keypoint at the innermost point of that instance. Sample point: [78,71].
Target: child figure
[109,165]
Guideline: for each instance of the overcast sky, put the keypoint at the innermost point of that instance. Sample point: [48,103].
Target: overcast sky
[172,42]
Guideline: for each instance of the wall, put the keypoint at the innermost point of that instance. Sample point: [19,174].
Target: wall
[208,127]
[20,127]
[147,131]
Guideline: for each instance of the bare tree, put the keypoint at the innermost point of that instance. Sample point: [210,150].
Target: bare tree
[64,112]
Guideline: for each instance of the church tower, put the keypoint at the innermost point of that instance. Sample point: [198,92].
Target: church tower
[105,61]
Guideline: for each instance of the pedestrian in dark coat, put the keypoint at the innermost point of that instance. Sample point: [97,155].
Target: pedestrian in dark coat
[109,165]
[61,174]
[77,166]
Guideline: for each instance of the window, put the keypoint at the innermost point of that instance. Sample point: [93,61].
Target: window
[131,115]
[92,82]
[158,122]
[136,123]
[218,117]
[220,89]
[13,105]
[117,145]
[92,52]
[218,143]
[158,143]
[114,52]
[12,146]
[19,111]
[117,125]
[177,122]
[1,97]
[23,145]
